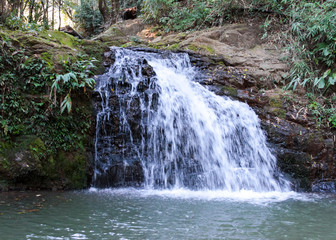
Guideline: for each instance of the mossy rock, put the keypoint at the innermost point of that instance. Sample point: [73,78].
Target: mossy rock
[193,48]
[60,38]
[209,49]
[275,102]
[173,46]
[54,47]
[231,91]
[201,49]
[276,108]
[23,158]
[114,31]
[73,169]
[157,45]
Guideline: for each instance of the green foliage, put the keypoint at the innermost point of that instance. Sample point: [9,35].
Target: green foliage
[14,22]
[89,17]
[173,16]
[76,78]
[130,3]
[313,41]
[26,107]
[324,110]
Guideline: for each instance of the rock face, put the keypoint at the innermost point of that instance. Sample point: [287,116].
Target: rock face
[121,32]
[129,13]
[305,154]
[236,45]
[119,123]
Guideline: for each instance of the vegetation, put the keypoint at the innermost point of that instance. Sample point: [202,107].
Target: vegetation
[34,98]
[88,17]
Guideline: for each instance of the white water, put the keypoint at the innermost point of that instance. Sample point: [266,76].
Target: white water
[192,138]
[248,196]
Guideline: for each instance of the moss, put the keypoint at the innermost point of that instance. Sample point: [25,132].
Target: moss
[173,46]
[275,107]
[60,37]
[182,35]
[10,36]
[5,145]
[275,102]
[281,113]
[49,169]
[72,167]
[193,48]
[37,145]
[208,48]
[4,164]
[156,45]
[230,91]
[115,32]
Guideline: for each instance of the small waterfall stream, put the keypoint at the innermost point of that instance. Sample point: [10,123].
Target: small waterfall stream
[158,128]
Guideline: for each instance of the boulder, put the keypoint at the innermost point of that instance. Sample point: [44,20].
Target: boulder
[129,13]
[69,30]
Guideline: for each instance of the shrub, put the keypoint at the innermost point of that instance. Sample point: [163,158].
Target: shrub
[88,17]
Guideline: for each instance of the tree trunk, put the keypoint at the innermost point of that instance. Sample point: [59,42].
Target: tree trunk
[22,7]
[31,9]
[3,7]
[104,10]
[115,7]
[53,15]
[59,15]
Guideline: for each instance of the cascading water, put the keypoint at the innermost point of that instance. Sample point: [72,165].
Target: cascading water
[159,128]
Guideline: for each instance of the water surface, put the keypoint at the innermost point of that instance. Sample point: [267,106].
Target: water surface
[168,214]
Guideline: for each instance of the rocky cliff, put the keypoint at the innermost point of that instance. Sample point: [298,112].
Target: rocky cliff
[235,62]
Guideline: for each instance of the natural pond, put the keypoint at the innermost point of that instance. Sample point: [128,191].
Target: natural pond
[166,214]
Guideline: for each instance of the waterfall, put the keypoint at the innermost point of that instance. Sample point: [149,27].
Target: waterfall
[159,128]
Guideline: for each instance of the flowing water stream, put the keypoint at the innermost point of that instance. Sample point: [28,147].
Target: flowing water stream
[198,164]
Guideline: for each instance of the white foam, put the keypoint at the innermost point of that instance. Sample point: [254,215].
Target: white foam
[206,195]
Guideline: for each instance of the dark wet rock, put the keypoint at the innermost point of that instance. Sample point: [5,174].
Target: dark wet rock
[307,155]
[324,187]
[118,136]
[129,13]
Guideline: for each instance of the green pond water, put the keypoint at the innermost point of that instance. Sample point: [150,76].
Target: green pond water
[173,214]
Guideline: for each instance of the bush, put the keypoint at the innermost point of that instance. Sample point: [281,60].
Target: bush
[88,17]
[27,106]
[314,44]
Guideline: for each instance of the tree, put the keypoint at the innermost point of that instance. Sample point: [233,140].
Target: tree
[109,9]
[88,16]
